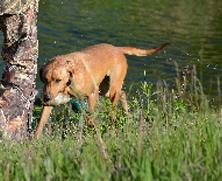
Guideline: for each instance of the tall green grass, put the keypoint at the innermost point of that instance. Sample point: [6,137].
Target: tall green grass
[169,134]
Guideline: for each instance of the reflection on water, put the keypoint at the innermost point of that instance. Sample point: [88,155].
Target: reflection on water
[193,28]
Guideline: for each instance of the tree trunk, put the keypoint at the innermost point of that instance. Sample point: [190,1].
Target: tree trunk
[17,87]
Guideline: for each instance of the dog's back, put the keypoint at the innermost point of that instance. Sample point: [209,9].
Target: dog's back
[85,73]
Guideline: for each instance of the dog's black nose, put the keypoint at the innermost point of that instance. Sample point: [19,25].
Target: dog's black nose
[46,98]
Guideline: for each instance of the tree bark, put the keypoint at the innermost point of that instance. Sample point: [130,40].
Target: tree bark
[17,87]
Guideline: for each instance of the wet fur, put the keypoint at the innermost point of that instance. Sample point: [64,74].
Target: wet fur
[97,70]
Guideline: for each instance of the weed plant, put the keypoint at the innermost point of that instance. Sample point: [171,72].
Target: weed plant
[168,134]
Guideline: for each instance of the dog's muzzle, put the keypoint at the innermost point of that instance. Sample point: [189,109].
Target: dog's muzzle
[59,99]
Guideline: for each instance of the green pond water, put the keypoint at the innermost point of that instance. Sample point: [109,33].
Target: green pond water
[193,29]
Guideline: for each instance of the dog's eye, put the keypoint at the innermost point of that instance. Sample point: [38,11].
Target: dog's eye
[57,80]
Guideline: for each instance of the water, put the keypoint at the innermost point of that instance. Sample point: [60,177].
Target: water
[193,29]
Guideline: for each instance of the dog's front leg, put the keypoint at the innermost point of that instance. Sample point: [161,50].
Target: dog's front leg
[92,98]
[46,111]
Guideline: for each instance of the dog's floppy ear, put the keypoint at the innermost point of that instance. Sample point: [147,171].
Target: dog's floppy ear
[72,86]
[70,79]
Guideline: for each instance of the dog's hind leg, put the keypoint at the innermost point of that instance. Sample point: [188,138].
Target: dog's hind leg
[120,95]
[115,98]
[115,92]
[124,101]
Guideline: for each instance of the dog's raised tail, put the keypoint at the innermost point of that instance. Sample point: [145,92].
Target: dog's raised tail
[141,52]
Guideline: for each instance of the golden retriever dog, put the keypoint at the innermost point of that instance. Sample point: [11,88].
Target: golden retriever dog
[97,70]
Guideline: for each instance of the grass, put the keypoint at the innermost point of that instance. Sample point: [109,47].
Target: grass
[169,134]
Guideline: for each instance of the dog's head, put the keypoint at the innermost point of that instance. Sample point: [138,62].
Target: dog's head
[56,77]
